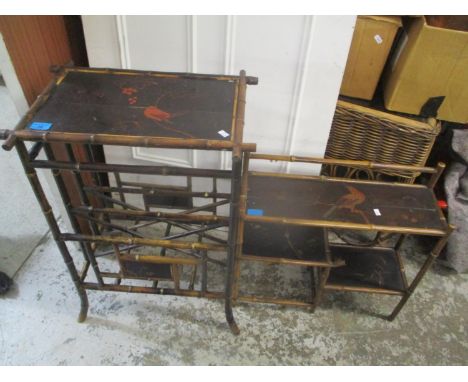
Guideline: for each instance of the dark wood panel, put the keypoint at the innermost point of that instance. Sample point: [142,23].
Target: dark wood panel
[141,105]
[352,202]
[283,241]
[366,268]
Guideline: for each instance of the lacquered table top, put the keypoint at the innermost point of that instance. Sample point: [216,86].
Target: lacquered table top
[149,105]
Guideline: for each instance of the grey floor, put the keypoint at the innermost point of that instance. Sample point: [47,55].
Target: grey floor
[38,324]
[21,223]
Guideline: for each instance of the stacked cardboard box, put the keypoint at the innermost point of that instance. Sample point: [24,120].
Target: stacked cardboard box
[372,39]
[428,74]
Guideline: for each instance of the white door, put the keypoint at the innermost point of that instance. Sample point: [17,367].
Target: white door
[299,60]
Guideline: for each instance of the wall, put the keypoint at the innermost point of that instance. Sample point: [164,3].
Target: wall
[299,60]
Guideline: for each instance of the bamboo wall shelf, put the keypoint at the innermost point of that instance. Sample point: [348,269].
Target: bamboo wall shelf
[278,204]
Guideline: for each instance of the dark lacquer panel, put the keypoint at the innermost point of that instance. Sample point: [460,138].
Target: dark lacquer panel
[370,268]
[143,270]
[362,203]
[284,241]
[141,105]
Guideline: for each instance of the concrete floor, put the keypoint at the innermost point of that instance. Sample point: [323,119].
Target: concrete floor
[21,223]
[38,324]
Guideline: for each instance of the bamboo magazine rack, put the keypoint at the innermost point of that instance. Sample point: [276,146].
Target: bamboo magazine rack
[139,109]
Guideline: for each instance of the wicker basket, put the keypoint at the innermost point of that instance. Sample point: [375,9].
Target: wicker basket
[362,133]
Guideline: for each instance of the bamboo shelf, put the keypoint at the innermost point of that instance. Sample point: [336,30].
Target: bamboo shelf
[367,269]
[285,219]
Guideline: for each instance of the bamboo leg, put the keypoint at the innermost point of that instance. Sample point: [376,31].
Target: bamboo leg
[242,208]
[192,279]
[427,264]
[322,273]
[176,276]
[323,277]
[398,245]
[54,229]
[435,177]
[232,241]
[204,272]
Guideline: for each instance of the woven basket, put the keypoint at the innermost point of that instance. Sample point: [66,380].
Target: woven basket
[362,133]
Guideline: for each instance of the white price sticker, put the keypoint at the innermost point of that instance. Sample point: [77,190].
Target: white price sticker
[377,212]
[378,39]
[223,133]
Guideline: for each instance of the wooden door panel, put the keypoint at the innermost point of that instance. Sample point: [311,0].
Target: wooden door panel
[35,43]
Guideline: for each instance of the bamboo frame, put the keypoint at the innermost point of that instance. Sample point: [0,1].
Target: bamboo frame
[342,162]
[128,140]
[250,80]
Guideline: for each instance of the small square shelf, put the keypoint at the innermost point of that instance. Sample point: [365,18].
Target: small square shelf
[367,269]
[279,243]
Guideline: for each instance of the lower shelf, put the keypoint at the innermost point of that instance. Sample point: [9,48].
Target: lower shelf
[280,243]
[372,270]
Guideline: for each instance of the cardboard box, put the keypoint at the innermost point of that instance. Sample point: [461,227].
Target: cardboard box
[372,39]
[428,75]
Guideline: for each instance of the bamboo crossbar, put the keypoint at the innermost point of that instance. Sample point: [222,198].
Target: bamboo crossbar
[343,162]
[150,215]
[163,291]
[157,191]
[250,80]
[131,169]
[35,150]
[160,259]
[344,225]
[331,179]
[171,244]
[286,261]
[274,300]
[123,140]
[343,288]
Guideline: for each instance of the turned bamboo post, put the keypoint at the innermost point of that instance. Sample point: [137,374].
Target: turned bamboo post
[427,264]
[234,208]
[54,229]
[435,177]
[240,235]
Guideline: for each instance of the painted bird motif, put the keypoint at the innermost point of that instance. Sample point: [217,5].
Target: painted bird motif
[349,202]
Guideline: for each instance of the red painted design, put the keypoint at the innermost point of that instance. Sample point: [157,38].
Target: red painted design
[156,114]
[349,202]
[129,91]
